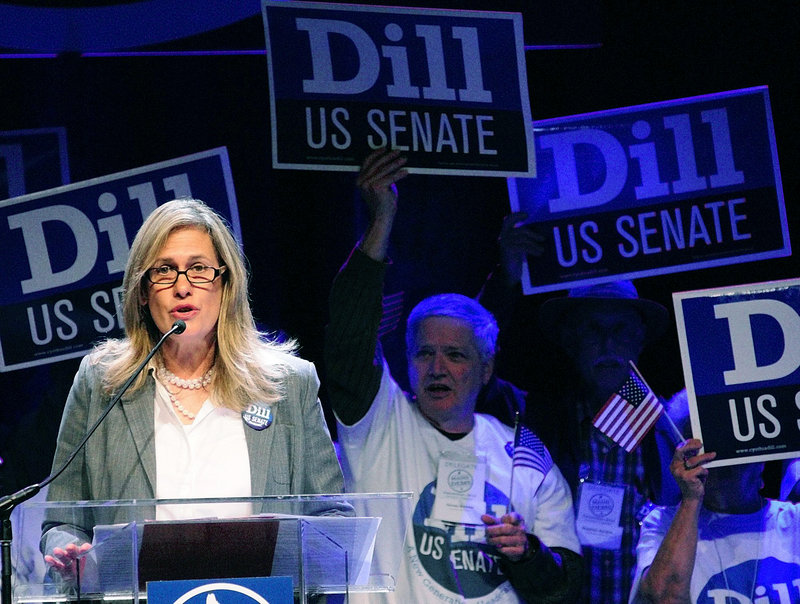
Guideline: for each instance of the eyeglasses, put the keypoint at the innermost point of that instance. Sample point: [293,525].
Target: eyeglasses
[197,273]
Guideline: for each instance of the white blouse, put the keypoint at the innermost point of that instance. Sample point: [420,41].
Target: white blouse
[207,458]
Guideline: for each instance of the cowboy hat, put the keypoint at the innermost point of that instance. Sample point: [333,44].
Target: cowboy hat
[623,293]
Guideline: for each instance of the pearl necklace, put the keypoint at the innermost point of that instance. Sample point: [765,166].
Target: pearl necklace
[177,404]
[195,384]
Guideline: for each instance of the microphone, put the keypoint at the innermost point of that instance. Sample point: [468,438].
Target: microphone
[9,502]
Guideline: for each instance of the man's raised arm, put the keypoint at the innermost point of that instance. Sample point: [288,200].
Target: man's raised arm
[353,360]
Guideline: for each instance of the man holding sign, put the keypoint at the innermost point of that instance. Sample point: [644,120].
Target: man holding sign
[724,542]
[470,538]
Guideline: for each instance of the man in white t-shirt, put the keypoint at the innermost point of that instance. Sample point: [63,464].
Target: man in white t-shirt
[473,537]
[724,542]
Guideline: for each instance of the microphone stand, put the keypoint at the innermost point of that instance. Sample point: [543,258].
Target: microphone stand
[9,502]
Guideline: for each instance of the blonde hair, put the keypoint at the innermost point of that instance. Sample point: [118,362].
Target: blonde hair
[245,367]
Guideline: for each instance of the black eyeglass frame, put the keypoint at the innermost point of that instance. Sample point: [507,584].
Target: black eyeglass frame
[217,272]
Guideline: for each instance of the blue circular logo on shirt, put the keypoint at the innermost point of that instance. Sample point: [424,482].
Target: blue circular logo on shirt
[456,556]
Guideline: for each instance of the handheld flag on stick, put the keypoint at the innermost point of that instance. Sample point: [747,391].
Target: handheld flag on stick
[529,452]
[628,415]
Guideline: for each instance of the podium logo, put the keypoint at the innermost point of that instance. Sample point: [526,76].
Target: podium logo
[260,590]
[229,593]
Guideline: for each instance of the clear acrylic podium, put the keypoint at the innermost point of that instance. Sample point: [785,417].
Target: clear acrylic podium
[328,544]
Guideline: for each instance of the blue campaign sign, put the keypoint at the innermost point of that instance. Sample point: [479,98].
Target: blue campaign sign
[653,189]
[64,252]
[258,590]
[741,363]
[32,160]
[447,87]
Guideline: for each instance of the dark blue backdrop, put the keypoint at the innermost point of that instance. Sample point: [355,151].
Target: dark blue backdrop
[127,111]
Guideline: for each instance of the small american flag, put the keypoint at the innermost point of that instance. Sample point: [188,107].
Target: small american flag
[629,414]
[529,451]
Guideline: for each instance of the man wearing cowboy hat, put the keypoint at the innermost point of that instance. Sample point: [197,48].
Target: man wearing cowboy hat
[601,328]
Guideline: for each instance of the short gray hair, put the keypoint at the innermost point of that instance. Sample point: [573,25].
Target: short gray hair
[481,321]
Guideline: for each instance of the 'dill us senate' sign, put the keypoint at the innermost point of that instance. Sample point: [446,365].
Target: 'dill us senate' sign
[652,189]
[741,361]
[446,87]
[64,253]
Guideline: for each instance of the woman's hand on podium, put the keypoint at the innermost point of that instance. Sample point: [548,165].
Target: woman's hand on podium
[66,560]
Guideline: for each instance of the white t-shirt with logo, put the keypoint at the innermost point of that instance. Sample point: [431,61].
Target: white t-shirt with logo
[394,448]
[748,558]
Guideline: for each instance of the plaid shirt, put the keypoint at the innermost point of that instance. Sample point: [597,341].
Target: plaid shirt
[610,572]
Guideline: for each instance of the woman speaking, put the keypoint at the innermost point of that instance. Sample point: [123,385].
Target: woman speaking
[220,411]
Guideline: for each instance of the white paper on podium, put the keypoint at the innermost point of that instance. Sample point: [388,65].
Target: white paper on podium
[325,541]
[114,549]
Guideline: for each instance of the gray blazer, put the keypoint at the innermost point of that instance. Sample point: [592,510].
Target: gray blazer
[294,455]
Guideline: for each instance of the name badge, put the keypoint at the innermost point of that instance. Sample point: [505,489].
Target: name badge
[599,512]
[460,485]
[258,416]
